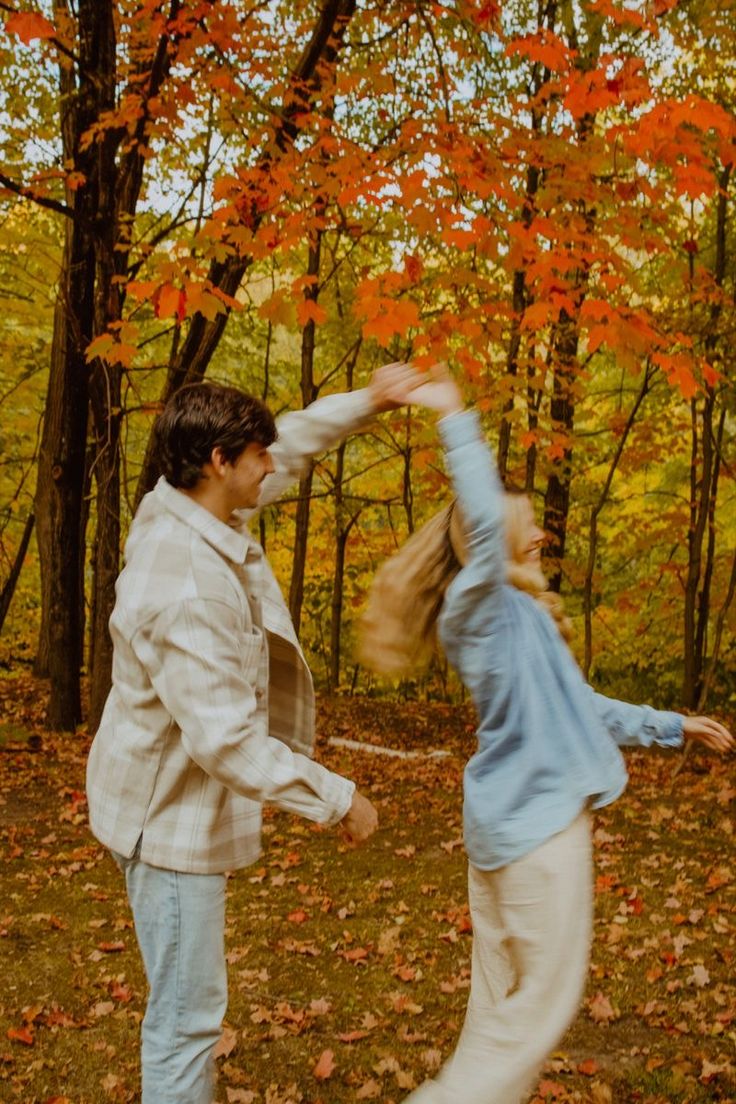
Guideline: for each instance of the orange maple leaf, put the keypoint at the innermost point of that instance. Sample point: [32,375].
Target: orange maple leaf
[169,301]
[307,310]
[29,25]
[544,47]
[394,318]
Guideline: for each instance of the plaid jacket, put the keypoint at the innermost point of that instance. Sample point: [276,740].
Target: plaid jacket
[211,711]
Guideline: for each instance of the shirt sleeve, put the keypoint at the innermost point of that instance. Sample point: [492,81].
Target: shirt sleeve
[480,499]
[638,725]
[309,432]
[203,668]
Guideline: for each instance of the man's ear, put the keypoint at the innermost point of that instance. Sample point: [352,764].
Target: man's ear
[217,461]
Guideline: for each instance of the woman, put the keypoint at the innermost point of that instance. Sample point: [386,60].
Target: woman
[547,752]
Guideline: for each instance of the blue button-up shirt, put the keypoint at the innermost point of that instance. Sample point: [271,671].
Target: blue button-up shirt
[547,744]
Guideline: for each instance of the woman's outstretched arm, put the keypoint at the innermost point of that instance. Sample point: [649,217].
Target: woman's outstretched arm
[480,497]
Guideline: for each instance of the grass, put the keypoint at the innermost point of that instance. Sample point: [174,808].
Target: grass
[365,953]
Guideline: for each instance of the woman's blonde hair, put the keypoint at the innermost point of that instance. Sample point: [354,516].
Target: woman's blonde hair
[398,631]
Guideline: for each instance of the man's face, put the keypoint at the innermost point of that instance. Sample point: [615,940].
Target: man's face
[244,476]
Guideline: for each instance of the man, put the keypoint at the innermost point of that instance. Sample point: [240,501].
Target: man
[211,711]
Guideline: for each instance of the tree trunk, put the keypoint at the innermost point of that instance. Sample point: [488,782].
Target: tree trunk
[336,602]
[562,414]
[717,638]
[534,394]
[520,301]
[105,398]
[705,452]
[45,505]
[566,334]
[521,297]
[119,190]
[6,594]
[61,475]
[106,551]
[701,475]
[59,499]
[309,394]
[512,365]
[342,532]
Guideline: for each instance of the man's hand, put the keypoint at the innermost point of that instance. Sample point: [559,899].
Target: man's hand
[401,384]
[361,819]
[708,732]
[390,385]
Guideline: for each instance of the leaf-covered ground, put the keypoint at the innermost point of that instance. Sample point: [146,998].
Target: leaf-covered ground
[349,968]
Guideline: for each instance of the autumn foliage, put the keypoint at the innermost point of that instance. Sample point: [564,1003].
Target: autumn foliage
[285,195]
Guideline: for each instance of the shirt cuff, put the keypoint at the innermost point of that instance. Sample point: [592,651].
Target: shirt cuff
[362,405]
[671,734]
[340,796]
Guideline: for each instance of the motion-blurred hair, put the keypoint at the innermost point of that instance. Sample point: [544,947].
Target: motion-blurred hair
[398,631]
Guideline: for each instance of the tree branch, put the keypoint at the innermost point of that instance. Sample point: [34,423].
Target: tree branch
[27,193]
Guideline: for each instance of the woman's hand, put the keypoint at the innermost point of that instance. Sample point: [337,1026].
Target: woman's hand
[437,390]
[708,732]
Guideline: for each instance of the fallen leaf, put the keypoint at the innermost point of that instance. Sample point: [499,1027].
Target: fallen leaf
[120,992]
[298,916]
[226,1043]
[388,940]
[553,1089]
[240,1096]
[22,1035]
[711,1070]
[369,1090]
[325,1066]
[601,1010]
[700,976]
[357,954]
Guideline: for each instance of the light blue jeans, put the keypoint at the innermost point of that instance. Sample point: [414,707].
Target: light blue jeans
[180,925]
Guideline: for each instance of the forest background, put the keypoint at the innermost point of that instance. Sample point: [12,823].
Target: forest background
[286,194]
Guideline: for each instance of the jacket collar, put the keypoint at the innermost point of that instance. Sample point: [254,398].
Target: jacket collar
[236,545]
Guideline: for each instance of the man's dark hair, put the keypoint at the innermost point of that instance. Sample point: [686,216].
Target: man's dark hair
[203,416]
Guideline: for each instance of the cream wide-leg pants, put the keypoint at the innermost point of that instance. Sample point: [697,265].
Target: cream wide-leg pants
[532,923]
